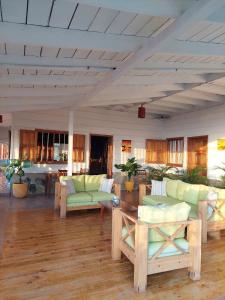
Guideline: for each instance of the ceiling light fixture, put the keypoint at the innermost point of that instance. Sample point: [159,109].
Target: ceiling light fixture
[141,112]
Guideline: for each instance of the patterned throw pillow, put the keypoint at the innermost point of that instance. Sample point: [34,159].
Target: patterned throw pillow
[106,185]
[158,188]
[69,183]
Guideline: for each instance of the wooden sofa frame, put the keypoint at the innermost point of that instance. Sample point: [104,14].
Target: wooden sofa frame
[61,199]
[207,225]
[143,266]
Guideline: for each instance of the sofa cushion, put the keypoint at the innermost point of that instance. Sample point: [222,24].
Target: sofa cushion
[181,187]
[78,182]
[153,247]
[171,187]
[79,197]
[191,194]
[101,196]
[92,182]
[154,200]
[215,216]
[203,191]
[173,213]
[158,188]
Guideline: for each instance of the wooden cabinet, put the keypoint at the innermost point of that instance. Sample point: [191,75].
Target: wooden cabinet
[27,145]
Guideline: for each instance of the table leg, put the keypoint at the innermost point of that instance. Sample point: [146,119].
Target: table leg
[102,213]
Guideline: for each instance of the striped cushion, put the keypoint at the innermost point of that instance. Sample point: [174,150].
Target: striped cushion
[106,185]
[158,188]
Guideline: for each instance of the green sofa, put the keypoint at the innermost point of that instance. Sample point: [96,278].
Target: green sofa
[195,195]
[87,195]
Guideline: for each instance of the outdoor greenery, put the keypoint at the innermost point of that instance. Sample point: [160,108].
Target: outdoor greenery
[160,172]
[194,176]
[130,168]
[222,185]
[14,168]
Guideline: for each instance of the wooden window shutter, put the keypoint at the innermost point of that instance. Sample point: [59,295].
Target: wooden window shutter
[27,145]
[156,151]
[78,148]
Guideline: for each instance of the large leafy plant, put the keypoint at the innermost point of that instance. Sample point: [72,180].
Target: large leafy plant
[223,176]
[194,176]
[160,172]
[14,168]
[131,167]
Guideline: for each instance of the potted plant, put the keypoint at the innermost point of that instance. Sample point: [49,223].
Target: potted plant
[16,168]
[160,172]
[130,168]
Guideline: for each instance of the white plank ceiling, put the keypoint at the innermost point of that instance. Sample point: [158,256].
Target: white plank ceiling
[166,54]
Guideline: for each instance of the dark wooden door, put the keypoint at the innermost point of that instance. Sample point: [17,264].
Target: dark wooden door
[198,152]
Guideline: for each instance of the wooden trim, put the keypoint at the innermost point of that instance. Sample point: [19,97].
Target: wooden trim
[161,156]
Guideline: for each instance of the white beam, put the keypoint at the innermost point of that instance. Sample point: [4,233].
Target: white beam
[15,108]
[52,62]
[178,99]
[42,92]
[203,95]
[212,88]
[202,9]
[48,80]
[171,8]
[70,142]
[166,66]
[65,38]
[28,101]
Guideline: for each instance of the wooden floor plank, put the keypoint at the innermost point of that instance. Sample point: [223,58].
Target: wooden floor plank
[48,258]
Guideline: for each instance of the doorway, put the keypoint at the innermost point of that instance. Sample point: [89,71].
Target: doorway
[101,154]
[198,152]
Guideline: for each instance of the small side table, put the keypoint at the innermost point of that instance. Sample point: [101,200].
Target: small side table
[108,206]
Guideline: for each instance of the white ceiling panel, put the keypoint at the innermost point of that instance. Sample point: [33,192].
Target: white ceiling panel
[39,11]
[152,26]
[14,49]
[95,54]
[66,53]
[49,52]
[108,55]
[137,24]
[103,20]
[14,10]
[62,13]
[83,17]
[122,20]
[81,53]
[32,50]
[2,48]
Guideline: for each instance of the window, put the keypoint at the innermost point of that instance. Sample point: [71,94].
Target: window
[175,153]
[46,146]
[156,151]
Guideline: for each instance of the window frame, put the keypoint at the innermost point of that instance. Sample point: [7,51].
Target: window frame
[168,152]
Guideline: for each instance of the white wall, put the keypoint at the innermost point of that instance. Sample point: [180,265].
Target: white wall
[95,121]
[209,122]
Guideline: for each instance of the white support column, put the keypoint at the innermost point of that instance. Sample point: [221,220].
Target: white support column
[70,143]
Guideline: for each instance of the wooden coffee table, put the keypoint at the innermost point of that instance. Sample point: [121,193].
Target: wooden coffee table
[108,206]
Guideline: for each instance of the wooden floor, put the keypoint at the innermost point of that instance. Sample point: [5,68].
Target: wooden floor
[48,258]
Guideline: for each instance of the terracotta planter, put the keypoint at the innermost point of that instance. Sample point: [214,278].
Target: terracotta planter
[129,186]
[20,190]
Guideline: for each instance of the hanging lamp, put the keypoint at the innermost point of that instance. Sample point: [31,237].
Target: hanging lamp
[141,112]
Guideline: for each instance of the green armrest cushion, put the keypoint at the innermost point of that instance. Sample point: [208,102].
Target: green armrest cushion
[92,182]
[154,200]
